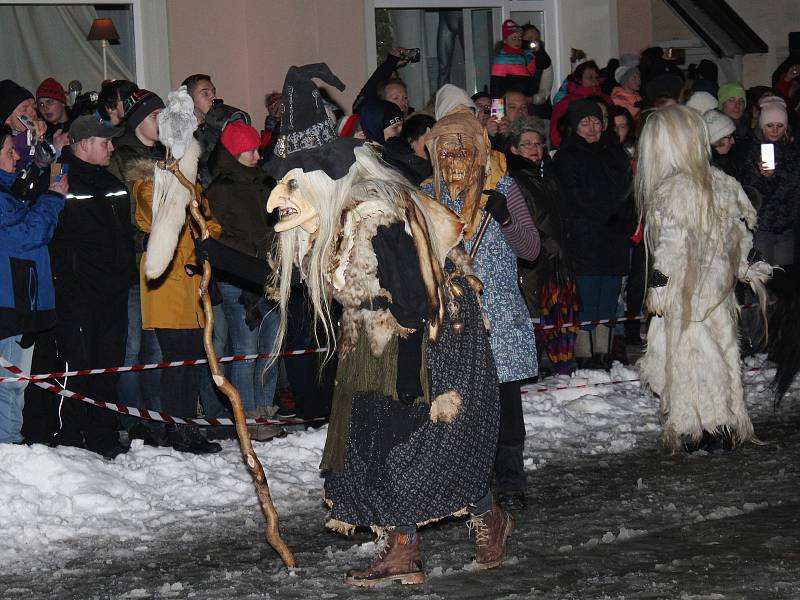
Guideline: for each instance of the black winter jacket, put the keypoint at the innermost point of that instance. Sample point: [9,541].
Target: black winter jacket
[399,154]
[92,249]
[238,200]
[597,184]
[780,194]
[543,195]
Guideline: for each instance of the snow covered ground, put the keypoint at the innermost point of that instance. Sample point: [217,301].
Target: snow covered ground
[59,504]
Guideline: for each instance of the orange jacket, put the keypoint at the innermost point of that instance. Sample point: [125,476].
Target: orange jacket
[173,300]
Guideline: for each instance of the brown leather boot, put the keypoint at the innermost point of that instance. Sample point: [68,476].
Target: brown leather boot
[492,529]
[394,562]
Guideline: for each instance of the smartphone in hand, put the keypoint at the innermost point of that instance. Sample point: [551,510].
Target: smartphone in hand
[57,171]
[498,109]
[768,156]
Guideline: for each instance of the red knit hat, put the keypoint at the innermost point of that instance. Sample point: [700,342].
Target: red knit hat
[50,88]
[510,26]
[347,126]
[238,137]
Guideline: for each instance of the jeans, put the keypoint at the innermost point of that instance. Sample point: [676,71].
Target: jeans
[599,295]
[256,383]
[12,394]
[139,389]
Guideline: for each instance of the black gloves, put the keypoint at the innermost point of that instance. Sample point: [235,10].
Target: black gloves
[409,365]
[496,206]
[200,250]
[252,313]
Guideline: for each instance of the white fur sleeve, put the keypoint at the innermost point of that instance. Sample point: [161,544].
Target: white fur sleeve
[669,255]
[170,200]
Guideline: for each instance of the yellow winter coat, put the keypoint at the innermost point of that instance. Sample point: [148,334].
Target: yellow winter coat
[173,300]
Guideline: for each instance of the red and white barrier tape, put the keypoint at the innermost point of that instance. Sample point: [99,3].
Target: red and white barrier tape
[153,415]
[161,365]
[143,413]
[241,357]
[545,389]
[611,321]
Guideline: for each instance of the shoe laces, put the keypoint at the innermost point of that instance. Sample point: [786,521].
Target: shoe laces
[480,528]
[383,543]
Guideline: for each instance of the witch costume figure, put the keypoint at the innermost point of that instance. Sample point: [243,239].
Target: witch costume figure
[415,413]
[463,165]
[698,230]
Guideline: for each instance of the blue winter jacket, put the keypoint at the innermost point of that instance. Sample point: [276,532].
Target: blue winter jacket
[27,297]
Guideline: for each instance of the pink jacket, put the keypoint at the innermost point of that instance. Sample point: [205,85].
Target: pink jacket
[626,99]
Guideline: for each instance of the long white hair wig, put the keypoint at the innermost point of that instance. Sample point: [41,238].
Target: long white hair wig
[674,141]
[369,178]
[674,147]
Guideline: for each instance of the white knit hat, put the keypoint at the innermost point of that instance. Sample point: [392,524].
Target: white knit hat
[449,97]
[623,73]
[773,110]
[702,102]
[718,124]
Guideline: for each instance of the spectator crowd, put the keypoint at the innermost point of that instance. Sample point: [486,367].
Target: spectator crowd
[77,205]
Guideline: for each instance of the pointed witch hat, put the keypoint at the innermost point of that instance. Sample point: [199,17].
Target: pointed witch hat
[308,138]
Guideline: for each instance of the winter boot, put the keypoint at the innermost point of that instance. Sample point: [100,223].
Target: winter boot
[200,445]
[265,432]
[188,439]
[396,561]
[492,529]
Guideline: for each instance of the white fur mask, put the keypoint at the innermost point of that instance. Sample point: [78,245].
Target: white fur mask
[177,123]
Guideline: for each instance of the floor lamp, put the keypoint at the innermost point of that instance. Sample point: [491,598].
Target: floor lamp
[103,30]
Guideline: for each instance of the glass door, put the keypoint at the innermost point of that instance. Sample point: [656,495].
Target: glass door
[543,14]
[457,39]
[456,46]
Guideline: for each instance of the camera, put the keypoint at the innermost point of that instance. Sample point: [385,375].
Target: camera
[410,55]
[534,45]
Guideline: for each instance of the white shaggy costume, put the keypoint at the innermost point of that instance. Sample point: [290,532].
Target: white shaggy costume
[692,359]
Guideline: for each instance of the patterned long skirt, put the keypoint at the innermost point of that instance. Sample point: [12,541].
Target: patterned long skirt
[401,468]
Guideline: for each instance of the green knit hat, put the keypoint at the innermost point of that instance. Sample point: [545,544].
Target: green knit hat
[732,89]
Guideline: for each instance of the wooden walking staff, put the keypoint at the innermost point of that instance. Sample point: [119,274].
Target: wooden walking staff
[496,168]
[479,236]
[253,464]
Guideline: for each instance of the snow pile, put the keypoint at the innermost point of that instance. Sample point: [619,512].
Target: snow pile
[51,495]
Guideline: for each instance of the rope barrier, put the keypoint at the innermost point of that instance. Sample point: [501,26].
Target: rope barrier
[161,365]
[544,389]
[612,321]
[143,413]
[242,357]
[153,415]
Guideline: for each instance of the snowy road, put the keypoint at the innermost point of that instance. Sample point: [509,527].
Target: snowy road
[610,516]
[636,525]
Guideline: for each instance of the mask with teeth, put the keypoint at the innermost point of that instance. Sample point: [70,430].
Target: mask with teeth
[293,208]
[456,156]
[459,149]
